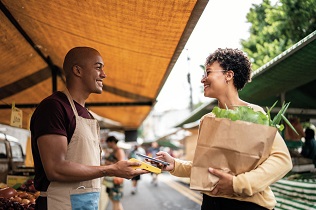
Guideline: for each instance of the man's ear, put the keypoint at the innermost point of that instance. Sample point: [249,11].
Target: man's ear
[76,70]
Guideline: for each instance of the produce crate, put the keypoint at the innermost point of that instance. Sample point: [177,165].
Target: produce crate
[13,180]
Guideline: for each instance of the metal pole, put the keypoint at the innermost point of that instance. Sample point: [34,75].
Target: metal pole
[189,81]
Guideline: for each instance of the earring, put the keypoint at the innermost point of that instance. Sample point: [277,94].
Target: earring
[227,82]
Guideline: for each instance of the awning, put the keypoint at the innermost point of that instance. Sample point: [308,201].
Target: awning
[139,40]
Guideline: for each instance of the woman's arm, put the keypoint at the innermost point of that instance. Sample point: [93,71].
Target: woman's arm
[176,167]
[249,183]
[277,165]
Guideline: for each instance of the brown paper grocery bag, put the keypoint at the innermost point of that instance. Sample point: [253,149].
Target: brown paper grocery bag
[233,146]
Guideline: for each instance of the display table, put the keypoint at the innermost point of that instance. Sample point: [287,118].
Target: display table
[297,191]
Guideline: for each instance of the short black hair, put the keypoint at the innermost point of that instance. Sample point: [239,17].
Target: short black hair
[309,133]
[112,139]
[235,60]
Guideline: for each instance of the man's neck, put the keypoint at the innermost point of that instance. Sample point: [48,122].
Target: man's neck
[78,96]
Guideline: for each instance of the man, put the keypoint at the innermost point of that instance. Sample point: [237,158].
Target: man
[65,139]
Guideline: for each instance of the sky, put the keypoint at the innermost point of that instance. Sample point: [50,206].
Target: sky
[222,24]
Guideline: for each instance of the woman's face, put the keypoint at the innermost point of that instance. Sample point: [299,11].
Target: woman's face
[214,80]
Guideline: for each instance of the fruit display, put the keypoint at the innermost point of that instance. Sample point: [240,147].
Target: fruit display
[22,198]
[28,186]
[7,192]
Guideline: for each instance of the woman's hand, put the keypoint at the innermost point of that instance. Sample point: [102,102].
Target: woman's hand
[164,156]
[225,184]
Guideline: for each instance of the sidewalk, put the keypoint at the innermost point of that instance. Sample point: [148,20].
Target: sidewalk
[104,199]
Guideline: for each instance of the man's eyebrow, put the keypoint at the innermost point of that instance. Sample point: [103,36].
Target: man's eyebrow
[99,63]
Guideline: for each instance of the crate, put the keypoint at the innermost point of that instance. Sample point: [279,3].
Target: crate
[13,180]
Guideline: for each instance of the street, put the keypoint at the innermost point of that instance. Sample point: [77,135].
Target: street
[170,193]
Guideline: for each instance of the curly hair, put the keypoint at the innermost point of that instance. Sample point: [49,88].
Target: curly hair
[235,60]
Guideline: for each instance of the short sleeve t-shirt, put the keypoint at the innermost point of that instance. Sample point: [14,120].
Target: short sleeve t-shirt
[53,115]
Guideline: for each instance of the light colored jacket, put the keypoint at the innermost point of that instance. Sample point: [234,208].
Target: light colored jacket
[253,186]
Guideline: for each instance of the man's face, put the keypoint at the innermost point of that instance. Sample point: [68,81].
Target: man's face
[93,73]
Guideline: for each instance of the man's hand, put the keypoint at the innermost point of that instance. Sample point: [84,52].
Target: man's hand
[225,184]
[123,169]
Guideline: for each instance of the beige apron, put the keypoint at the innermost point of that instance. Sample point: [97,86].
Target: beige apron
[83,148]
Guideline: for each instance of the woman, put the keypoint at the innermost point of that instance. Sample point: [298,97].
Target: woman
[227,71]
[114,184]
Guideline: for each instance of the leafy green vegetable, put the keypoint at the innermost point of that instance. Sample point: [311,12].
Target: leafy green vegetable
[247,114]
[243,113]
[16,186]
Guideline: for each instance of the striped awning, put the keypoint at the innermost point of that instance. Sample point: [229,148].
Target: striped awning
[298,194]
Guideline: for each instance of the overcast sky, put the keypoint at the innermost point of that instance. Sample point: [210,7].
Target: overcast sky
[222,24]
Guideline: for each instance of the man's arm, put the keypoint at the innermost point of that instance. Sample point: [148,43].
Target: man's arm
[53,149]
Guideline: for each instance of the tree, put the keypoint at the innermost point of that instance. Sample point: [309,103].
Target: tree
[275,28]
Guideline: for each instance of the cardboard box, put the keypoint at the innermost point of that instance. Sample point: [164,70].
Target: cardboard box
[13,180]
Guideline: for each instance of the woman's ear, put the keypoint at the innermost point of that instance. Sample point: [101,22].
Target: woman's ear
[229,75]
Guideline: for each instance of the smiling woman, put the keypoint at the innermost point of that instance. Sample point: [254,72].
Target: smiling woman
[227,71]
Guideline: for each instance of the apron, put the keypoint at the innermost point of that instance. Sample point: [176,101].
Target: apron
[84,148]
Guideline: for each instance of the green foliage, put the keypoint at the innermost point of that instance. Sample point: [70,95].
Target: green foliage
[245,113]
[275,28]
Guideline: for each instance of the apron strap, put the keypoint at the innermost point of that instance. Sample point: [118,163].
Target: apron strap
[43,194]
[66,92]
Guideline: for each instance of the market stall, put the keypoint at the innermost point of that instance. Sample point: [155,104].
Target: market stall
[296,191]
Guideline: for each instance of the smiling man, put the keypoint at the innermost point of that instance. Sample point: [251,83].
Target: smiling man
[65,139]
